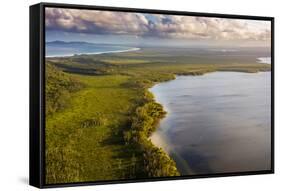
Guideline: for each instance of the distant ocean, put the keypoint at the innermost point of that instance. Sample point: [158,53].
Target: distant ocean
[63,49]
[264,60]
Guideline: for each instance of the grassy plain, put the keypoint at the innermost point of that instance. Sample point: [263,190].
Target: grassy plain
[100,114]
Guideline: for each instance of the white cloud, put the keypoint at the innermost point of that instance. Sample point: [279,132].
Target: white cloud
[166,26]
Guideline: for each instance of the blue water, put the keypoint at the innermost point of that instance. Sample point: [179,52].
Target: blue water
[216,123]
[61,49]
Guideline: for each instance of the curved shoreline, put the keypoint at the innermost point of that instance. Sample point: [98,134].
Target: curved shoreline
[95,53]
[157,163]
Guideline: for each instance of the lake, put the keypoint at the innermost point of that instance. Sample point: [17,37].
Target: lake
[216,123]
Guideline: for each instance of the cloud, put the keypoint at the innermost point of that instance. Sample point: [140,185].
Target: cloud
[210,28]
[99,22]
[155,25]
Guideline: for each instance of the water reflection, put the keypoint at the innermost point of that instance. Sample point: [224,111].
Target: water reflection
[216,123]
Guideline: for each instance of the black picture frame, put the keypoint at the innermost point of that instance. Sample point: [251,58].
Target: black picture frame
[37,96]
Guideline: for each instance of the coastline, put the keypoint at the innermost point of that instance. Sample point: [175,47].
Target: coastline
[95,53]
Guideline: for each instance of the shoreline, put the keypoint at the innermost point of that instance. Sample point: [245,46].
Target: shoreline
[94,53]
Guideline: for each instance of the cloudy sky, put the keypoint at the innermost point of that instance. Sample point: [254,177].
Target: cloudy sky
[153,29]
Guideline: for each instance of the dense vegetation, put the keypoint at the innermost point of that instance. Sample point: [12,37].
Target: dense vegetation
[100,114]
[85,139]
[156,162]
[58,88]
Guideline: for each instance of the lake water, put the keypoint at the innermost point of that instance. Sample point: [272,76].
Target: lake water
[216,123]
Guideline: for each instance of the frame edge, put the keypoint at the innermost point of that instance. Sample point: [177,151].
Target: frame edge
[36,58]
[35,129]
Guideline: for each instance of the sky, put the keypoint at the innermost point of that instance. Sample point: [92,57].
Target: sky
[153,29]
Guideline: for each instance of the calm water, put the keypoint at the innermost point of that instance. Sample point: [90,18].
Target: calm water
[61,48]
[218,122]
